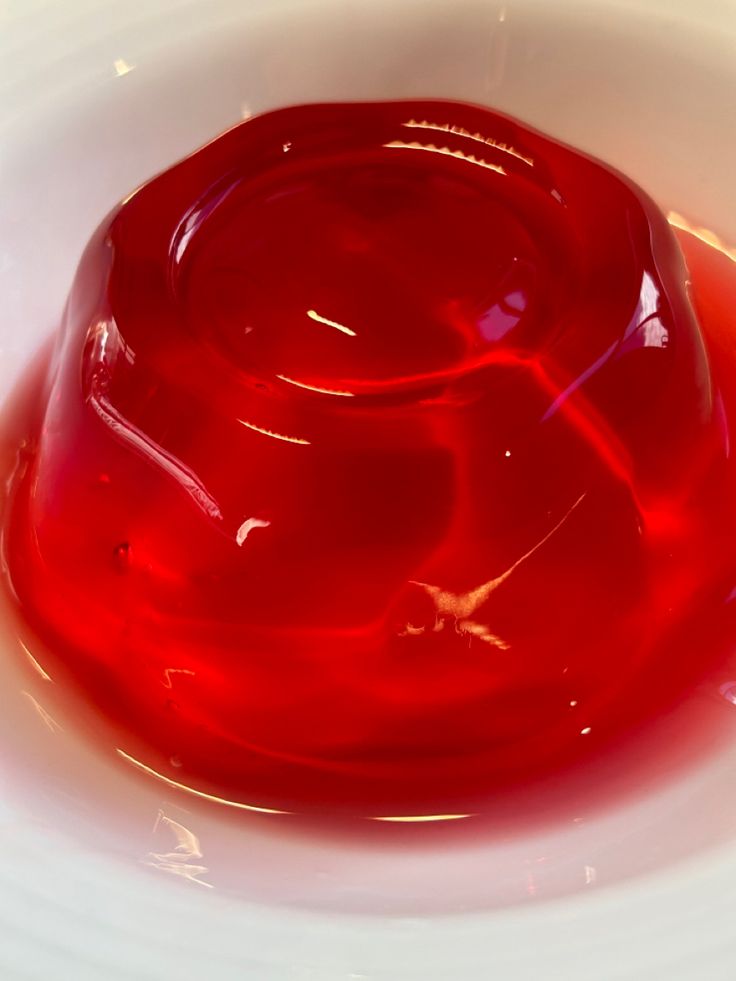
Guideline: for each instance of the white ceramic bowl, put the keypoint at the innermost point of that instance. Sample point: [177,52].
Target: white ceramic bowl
[107,873]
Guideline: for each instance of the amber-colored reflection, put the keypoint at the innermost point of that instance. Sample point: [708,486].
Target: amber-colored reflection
[704,234]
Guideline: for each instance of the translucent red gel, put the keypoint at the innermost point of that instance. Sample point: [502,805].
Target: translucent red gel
[379,462]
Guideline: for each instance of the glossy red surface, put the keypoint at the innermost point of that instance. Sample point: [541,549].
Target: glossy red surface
[379,462]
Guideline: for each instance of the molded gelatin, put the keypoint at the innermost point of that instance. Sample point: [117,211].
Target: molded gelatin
[379,462]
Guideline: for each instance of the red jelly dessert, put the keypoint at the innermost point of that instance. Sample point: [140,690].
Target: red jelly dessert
[380,462]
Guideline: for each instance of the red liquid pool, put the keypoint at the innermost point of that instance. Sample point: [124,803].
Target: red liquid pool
[381,462]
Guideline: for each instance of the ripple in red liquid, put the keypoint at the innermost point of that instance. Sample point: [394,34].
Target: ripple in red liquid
[379,464]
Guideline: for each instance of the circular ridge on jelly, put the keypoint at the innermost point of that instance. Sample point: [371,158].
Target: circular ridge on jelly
[378,461]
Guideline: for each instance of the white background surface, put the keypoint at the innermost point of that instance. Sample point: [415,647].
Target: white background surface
[86,883]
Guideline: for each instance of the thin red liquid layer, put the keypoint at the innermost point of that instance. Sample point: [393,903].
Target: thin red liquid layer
[380,462]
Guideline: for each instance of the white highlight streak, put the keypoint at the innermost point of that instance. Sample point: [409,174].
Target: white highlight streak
[137,440]
[191,790]
[34,663]
[445,151]
[273,435]
[248,526]
[422,818]
[314,388]
[313,315]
